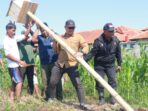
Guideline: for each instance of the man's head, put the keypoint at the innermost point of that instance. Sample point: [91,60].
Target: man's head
[44,32]
[69,27]
[109,30]
[10,29]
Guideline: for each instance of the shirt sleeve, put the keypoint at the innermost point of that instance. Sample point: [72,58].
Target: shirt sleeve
[118,54]
[19,37]
[93,51]
[83,45]
[7,49]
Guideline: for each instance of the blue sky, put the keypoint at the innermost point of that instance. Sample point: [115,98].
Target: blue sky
[87,14]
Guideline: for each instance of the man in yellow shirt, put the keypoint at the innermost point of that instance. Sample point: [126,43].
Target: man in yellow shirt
[66,63]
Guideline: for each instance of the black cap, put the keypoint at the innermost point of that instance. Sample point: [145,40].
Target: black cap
[70,23]
[10,25]
[109,27]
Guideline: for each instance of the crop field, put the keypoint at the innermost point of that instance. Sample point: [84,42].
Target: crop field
[132,86]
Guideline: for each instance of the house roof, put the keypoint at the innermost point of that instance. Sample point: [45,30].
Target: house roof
[90,36]
[123,33]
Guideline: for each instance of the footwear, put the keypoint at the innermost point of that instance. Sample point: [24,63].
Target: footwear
[112,100]
[101,101]
[83,106]
[101,98]
[46,99]
[51,100]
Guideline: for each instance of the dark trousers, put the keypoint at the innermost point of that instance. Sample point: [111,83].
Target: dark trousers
[111,75]
[57,73]
[46,75]
[29,72]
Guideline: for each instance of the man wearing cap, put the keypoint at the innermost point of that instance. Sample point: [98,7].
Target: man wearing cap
[47,58]
[66,63]
[106,48]
[13,58]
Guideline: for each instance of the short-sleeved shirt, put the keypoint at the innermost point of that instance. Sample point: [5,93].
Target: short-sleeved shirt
[76,42]
[26,51]
[46,52]
[10,47]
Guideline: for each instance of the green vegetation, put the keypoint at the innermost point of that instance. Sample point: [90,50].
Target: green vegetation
[132,86]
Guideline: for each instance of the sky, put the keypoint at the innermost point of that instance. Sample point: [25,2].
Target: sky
[87,14]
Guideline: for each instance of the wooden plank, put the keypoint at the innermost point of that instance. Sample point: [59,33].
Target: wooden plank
[33,10]
[27,6]
[22,15]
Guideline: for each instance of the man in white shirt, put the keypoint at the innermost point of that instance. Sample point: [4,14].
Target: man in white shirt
[13,58]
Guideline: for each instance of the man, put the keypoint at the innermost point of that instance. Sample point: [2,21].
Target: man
[47,58]
[27,55]
[66,63]
[13,58]
[106,49]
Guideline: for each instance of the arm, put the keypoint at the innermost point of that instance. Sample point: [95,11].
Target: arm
[22,63]
[27,26]
[35,35]
[56,47]
[25,35]
[31,32]
[7,50]
[28,30]
[83,45]
[118,54]
[93,51]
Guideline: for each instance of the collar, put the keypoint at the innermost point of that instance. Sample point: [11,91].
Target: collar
[67,36]
[9,37]
[107,40]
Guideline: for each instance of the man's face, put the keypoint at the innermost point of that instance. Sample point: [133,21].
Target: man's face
[11,32]
[69,30]
[44,33]
[108,34]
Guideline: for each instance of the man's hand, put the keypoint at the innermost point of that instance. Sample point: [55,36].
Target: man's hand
[78,55]
[38,26]
[22,63]
[29,25]
[118,69]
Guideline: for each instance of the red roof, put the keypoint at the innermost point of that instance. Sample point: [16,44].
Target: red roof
[143,35]
[90,36]
[123,33]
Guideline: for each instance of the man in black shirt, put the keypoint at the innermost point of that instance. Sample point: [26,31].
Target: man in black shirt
[106,48]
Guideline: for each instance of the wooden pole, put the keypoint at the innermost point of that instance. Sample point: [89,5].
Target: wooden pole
[120,100]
